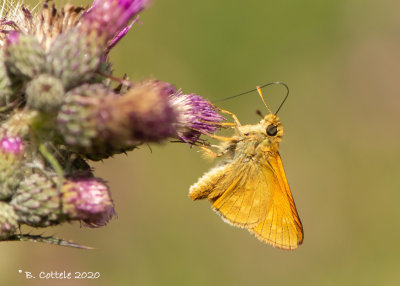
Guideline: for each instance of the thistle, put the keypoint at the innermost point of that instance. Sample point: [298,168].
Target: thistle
[59,112]
[39,203]
[11,161]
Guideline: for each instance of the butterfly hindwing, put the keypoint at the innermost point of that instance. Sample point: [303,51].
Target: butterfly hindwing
[244,201]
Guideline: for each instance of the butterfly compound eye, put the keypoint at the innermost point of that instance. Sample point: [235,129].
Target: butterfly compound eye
[272,130]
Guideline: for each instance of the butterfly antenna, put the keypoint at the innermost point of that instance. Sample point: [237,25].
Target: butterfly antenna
[287,94]
[262,98]
[258,89]
[271,83]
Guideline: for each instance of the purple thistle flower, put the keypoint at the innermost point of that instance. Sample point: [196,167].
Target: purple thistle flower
[149,113]
[89,200]
[165,87]
[119,36]
[12,38]
[111,17]
[11,145]
[55,73]
[196,116]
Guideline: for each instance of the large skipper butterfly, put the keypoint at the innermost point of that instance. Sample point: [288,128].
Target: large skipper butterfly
[248,188]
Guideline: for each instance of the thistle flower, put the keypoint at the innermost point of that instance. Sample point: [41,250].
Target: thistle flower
[110,18]
[100,123]
[58,110]
[39,203]
[88,199]
[45,24]
[147,109]
[196,116]
[11,146]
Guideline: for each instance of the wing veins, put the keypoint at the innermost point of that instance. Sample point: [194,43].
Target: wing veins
[252,204]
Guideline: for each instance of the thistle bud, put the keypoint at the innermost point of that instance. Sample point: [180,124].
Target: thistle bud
[6,94]
[37,201]
[81,120]
[40,203]
[144,113]
[100,123]
[24,56]
[88,199]
[8,221]
[20,123]
[11,156]
[44,93]
[73,58]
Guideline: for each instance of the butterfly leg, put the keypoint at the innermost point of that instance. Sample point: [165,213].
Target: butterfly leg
[237,122]
[220,138]
[227,124]
[211,153]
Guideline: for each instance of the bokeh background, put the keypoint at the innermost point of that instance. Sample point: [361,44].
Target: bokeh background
[341,150]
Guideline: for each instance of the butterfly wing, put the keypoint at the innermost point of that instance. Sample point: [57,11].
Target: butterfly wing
[244,201]
[258,199]
[281,226]
[227,187]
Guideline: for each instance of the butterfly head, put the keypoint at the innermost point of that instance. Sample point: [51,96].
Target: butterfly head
[272,127]
[271,124]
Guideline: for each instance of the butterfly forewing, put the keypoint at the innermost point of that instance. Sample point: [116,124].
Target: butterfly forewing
[281,226]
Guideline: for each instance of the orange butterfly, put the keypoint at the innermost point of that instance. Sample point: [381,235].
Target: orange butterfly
[248,188]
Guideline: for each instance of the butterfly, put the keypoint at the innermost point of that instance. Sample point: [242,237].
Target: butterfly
[248,188]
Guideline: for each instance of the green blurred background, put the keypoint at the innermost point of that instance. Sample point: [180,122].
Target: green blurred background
[340,150]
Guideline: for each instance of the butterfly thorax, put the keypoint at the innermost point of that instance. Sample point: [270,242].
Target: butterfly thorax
[267,134]
[252,142]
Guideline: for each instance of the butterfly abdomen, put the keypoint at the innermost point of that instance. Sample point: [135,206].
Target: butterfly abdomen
[207,183]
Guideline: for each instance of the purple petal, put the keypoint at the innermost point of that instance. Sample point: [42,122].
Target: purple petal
[13,37]
[11,145]
[196,116]
[111,17]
